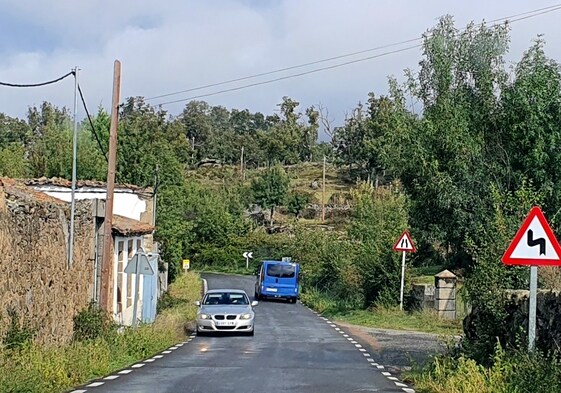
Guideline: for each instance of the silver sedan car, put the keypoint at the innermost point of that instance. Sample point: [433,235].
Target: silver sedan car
[226,310]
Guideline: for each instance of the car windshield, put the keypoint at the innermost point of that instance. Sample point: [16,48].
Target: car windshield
[225,298]
[284,271]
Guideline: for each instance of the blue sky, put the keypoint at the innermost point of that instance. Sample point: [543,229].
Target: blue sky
[173,45]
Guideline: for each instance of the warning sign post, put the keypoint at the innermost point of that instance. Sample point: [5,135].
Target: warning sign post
[403,244]
[535,245]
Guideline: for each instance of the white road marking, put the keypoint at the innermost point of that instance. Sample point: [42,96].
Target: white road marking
[350,338]
[400,384]
[79,391]
[95,384]
[362,350]
[394,379]
[379,366]
[166,352]
[366,354]
[111,377]
[358,345]
[125,372]
[158,357]
[345,335]
[387,374]
[370,359]
[137,365]
[338,329]
[408,390]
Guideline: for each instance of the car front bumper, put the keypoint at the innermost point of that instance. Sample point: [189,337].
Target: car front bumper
[210,325]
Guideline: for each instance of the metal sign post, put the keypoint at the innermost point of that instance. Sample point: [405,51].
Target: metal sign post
[532,311]
[404,244]
[402,281]
[535,245]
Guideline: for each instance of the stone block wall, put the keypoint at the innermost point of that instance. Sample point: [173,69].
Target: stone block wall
[514,329]
[35,279]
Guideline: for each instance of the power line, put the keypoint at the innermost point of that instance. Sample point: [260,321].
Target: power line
[292,75]
[94,131]
[520,16]
[283,69]
[37,84]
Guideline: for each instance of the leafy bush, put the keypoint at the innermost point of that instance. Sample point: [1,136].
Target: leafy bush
[511,372]
[91,323]
[18,334]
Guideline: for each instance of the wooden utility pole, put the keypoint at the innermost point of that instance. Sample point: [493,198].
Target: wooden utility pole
[241,165]
[107,261]
[323,193]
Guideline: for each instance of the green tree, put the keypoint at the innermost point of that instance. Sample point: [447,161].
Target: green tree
[297,201]
[13,162]
[270,189]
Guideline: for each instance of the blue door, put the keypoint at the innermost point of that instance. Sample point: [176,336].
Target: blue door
[150,293]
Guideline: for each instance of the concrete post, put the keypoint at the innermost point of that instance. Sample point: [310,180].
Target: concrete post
[445,294]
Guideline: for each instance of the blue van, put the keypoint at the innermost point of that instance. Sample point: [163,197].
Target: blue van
[278,279]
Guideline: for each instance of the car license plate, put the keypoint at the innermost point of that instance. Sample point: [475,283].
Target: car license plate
[272,289]
[225,323]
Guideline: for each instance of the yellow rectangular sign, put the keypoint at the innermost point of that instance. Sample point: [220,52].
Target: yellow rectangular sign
[186,264]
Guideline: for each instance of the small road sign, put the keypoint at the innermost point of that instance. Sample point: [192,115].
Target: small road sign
[247,255]
[139,264]
[404,243]
[534,244]
[186,264]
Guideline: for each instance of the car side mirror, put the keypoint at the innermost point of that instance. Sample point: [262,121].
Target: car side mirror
[197,303]
[254,303]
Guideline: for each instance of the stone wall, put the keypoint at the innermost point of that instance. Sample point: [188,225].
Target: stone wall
[514,328]
[35,279]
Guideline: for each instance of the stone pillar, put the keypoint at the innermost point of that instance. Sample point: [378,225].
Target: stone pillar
[445,294]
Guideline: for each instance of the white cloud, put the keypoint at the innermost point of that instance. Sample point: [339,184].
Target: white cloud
[175,45]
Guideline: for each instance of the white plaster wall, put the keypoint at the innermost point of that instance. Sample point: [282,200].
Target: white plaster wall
[125,202]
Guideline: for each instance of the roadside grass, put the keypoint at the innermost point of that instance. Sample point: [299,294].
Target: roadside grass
[393,318]
[380,317]
[35,368]
[512,371]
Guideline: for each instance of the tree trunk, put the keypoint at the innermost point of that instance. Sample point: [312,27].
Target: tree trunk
[272,212]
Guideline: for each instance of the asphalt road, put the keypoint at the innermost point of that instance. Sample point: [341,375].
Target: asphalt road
[293,350]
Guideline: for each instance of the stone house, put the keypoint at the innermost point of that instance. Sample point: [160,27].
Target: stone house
[133,227]
[38,285]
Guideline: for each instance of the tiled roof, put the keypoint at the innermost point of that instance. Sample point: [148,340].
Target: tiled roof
[57,181]
[22,191]
[127,226]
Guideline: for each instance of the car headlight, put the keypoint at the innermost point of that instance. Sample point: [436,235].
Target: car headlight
[245,316]
[204,316]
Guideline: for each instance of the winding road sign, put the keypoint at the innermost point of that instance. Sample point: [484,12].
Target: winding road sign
[534,244]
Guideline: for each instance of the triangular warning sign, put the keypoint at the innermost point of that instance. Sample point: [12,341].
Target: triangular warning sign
[534,243]
[404,243]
